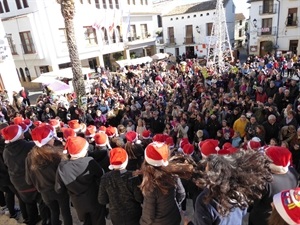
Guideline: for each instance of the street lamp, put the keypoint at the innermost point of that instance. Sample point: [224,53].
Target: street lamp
[254,22]
[198,29]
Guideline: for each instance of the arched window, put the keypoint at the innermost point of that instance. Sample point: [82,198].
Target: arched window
[22,75]
[27,74]
[1,8]
[114,37]
[119,34]
[6,7]
[104,36]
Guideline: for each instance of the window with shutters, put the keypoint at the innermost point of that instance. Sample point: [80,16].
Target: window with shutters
[27,43]
[292,19]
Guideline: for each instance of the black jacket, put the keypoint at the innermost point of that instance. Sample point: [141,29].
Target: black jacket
[81,178]
[14,156]
[4,177]
[120,190]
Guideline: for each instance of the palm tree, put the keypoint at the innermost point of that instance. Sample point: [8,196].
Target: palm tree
[68,12]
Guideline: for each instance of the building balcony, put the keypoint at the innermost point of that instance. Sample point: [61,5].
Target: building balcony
[134,38]
[267,31]
[291,22]
[270,9]
[170,41]
[189,40]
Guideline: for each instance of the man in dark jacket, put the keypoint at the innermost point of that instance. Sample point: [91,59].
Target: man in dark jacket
[271,128]
[120,189]
[14,155]
[7,187]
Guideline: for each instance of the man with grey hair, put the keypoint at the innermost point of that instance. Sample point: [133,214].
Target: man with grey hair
[271,128]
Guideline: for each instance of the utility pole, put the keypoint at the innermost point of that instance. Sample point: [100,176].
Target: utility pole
[219,47]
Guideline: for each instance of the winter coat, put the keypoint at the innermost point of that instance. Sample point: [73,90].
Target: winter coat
[14,156]
[4,177]
[81,179]
[207,213]
[120,190]
[161,209]
[262,208]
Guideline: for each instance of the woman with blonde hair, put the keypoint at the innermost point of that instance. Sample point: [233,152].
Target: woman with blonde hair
[140,127]
[41,165]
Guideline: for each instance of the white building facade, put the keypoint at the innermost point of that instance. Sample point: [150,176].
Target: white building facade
[187,28]
[103,28]
[240,29]
[9,80]
[274,26]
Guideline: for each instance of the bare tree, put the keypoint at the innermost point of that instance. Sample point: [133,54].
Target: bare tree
[68,12]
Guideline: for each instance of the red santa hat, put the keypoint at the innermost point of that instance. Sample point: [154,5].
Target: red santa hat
[254,144]
[37,123]
[132,137]
[183,142]
[90,131]
[227,145]
[157,154]
[208,147]
[18,120]
[146,134]
[77,147]
[188,149]
[118,159]
[24,127]
[28,122]
[280,157]
[159,138]
[170,142]
[102,129]
[287,205]
[54,123]
[111,131]
[12,133]
[42,135]
[76,126]
[101,139]
[68,132]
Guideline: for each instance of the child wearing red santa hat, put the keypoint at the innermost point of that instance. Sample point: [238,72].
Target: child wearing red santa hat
[14,155]
[286,208]
[124,196]
[160,204]
[80,175]
[41,165]
[284,177]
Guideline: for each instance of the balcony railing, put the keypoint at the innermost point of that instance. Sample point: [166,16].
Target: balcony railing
[270,31]
[269,9]
[171,41]
[132,38]
[189,40]
[290,22]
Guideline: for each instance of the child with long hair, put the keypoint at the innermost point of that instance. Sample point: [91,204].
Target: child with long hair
[159,188]
[41,165]
[231,183]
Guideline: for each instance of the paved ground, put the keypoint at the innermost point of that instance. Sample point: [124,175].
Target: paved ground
[5,220]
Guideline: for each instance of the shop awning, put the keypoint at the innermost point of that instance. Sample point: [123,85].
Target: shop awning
[133,62]
[66,73]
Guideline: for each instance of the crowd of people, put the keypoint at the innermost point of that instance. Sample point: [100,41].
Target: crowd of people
[154,135]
